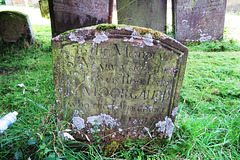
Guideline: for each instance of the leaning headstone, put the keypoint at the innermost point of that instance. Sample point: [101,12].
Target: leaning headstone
[149,14]
[118,82]
[70,14]
[199,20]
[15,27]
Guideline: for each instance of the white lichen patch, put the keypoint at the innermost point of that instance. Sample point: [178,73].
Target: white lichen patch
[174,112]
[169,127]
[135,122]
[103,119]
[82,112]
[136,35]
[125,39]
[94,130]
[150,108]
[100,37]
[165,126]
[161,125]
[205,37]
[78,122]
[114,135]
[128,28]
[145,108]
[112,107]
[148,40]
[75,38]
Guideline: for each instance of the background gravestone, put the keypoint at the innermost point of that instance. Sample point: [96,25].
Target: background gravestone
[8,2]
[124,81]
[149,14]
[199,20]
[22,2]
[72,14]
[233,6]
[15,27]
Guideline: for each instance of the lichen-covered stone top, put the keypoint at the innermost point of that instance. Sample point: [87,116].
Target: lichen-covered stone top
[101,32]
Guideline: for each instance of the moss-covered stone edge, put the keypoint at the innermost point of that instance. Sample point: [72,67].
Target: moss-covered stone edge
[18,13]
[106,27]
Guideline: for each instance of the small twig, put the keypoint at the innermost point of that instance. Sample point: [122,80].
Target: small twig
[206,127]
[150,141]
[126,5]
[148,132]
[230,154]
[54,147]
[157,153]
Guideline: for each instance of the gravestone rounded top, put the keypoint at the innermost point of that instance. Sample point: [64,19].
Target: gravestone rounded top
[118,80]
[15,26]
[104,32]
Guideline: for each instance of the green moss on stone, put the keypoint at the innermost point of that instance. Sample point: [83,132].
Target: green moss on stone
[105,27]
[64,33]
[44,8]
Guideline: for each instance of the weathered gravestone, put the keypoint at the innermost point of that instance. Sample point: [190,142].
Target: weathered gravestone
[123,82]
[199,20]
[8,2]
[233,6]
[15,27]
[149,14]
[72,14]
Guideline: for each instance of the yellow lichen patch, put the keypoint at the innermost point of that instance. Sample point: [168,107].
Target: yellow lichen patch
[155,34]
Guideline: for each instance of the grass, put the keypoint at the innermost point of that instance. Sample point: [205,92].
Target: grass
[215,46]
[207,124]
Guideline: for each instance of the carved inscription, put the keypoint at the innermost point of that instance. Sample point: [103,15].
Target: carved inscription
[125,82]
[117,79]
